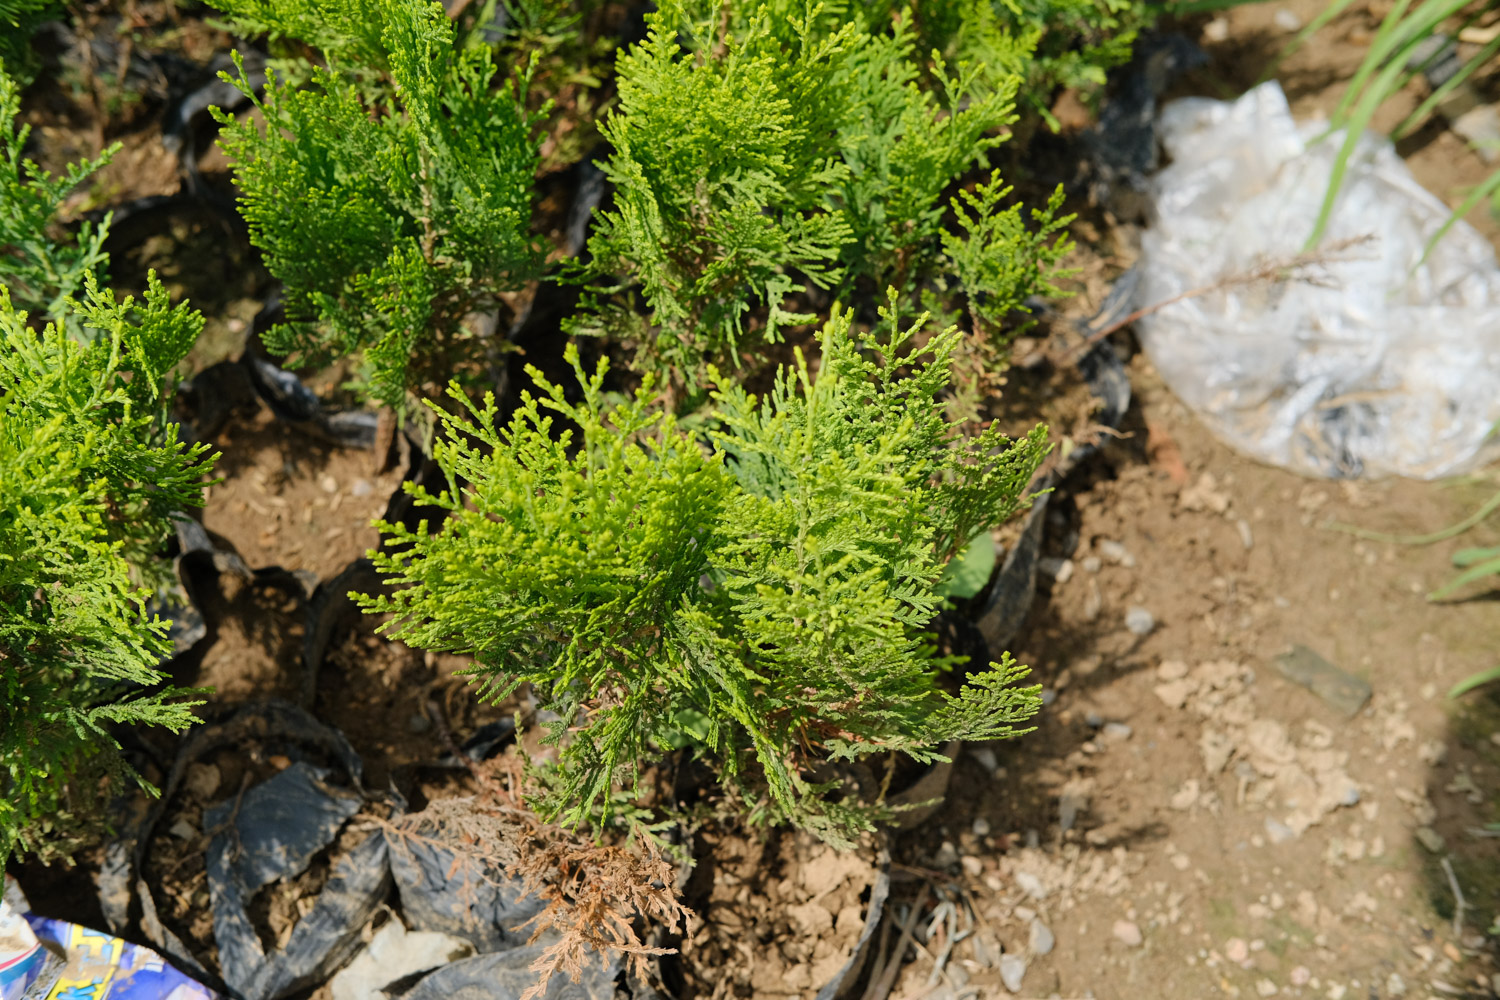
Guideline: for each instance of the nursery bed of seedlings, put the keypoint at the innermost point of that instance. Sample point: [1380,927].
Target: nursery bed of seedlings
[1121,850]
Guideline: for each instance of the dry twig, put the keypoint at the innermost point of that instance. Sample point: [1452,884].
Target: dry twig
[593,893]
[1308,268]
[1459,904]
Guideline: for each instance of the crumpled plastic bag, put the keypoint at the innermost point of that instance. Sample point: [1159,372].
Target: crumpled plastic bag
[1382,366]
[41,957]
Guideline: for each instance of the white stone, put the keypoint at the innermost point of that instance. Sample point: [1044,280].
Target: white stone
[393,954]
[1040,940]
[1012,972]
[1127,933]
[1031,885]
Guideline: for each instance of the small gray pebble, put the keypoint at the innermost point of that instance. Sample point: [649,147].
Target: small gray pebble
[1139,621]
[1279,832]
[419,723]
[1041,939]
[1012,971]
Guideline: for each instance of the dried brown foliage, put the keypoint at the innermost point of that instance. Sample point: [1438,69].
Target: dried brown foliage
[594,893]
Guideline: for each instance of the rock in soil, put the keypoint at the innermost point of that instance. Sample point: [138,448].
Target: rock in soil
[1343,692]
[1012,972]
[1040,940]
[394,954]
[1139,621]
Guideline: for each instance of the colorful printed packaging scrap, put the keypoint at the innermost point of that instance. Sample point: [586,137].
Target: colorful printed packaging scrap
[46,959]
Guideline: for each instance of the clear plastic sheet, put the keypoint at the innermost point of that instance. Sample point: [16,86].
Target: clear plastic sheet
[1371,363]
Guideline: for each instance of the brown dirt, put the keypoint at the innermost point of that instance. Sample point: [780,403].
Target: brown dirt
[1179,848]
[1168,881]
[288,499]
[778,915]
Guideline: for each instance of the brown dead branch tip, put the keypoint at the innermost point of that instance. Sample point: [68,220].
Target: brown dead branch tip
[595,894]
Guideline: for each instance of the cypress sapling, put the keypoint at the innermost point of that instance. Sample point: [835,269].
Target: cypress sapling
[763,594]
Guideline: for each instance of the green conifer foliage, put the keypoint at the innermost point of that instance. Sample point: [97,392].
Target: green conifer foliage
[997,259]
[19,20]
[784,146]
[762,595]
[89,474]
[39,269]
[1069,43]
[723,165]
[392,215]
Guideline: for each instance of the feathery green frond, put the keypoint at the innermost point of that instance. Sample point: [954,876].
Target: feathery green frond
[39,267]
[89,476]
[772,584]
[390,220]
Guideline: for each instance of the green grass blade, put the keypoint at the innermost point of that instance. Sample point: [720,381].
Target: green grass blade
[1393,46]
[1490,185]
[1473,681]
[1385,84]
[1468,557]
[1192,7]
[1411,121]
[1476,572]
[1452,531]
[1371,62]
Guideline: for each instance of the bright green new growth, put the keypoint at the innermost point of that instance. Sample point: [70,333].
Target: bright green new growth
[767,594]
[89,474]
[41,274]
[390,219]
[788,147]
[998,261]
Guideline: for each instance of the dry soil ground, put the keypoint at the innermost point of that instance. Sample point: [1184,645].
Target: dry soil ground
[1187,822]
